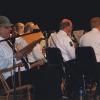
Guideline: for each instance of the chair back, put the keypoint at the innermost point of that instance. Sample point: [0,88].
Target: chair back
[8,90]
[4,81]
[85,56]
[86,62]
[54,56]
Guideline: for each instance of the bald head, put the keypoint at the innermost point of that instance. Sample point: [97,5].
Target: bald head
[66,26]
[65,23]
[95,22]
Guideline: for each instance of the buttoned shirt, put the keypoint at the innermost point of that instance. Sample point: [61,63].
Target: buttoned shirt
[6,57]
[51,40]
[92,38]
[65,44]
[36,53]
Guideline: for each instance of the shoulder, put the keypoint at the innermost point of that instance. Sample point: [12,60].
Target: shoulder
[86,35]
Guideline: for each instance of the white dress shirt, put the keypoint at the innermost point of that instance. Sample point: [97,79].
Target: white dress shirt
[65,44]
[20,43]
[36,53]
[92,39]
[6,57]
[51,40]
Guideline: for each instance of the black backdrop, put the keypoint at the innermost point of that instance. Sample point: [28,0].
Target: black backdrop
[48,13]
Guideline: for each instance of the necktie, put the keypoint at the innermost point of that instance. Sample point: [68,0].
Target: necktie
[24,61]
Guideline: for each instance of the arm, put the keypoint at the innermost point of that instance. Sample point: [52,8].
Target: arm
[69,46]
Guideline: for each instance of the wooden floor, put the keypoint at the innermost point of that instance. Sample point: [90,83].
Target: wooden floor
[2,98]
[17,98]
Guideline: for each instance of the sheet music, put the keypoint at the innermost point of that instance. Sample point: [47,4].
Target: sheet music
[78,34]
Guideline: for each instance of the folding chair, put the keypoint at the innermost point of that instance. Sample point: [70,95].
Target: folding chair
[8,90]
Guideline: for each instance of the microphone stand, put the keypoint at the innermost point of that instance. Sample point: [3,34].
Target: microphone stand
[14,67]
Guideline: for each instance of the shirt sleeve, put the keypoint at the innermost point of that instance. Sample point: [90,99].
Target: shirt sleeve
[69,47]
[21,43]
[37,52]
[80,41]
[4,62]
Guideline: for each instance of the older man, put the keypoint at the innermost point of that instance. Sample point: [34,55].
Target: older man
[63,41]
[92,38]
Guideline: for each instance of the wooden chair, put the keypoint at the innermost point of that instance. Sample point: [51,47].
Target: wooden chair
[8,90]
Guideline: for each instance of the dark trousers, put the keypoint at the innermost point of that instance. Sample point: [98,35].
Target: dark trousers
[98,78]
[46,81]
[72,77]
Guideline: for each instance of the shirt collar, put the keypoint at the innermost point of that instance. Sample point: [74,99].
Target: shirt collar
[1,38]
[62,32]
[95,29]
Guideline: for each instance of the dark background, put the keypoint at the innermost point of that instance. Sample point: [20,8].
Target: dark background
[48,13]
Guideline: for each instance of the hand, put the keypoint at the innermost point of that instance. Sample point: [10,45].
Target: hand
[19,55]
[63,86]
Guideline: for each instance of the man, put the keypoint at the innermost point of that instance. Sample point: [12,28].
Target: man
[20,43]
[29,26]
[92,38]
[44,82]
[63,41]
[19,28]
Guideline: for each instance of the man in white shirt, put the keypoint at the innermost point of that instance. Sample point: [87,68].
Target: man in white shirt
[63,41]
[92,38]
[20,43]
